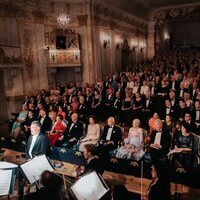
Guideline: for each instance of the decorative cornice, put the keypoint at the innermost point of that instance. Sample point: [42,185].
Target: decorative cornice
[182,12]
[38,16]
[82,20]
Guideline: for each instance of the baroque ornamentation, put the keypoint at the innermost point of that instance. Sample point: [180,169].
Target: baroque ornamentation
[185,12]
[28,53]
[13,73]
[10,55]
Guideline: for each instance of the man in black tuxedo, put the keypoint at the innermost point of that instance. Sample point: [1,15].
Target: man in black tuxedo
[45,121]
[93,161]
[109,102]
[191,124]
[82,110]
[111,135]
[160,142]
[167,110]
[147,109]
[174,84]
[72,133]
[38,143]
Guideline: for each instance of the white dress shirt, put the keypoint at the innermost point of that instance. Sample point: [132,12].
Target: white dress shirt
[109,133]
[34,137]
[157,138]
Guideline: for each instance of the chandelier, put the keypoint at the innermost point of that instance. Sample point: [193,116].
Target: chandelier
[63,19]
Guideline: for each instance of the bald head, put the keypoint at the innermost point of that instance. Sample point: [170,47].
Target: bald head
[158,124]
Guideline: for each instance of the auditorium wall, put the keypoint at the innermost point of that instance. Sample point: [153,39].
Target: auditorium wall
[186,33]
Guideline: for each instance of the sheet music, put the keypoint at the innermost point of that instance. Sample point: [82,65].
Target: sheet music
[34,168]
[89,187]
[7,165]
[5,181]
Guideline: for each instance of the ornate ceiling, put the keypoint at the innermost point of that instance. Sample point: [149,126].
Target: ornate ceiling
[145,8]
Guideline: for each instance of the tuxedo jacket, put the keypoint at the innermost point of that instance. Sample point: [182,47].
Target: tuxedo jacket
[82,110]
[41,145]
[47,124]
[177,86]
[95,164]
[165,141]
[75,132]
[116,134]
[150,106]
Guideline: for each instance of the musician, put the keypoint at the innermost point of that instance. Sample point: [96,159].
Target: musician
[38,143]
[159,187]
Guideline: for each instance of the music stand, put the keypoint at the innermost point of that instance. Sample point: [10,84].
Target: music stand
[7,182]
[89,187]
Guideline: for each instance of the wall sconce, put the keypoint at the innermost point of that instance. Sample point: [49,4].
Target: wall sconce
[135,47]
[117,45]
[106,42]
[142,48]
[46,48]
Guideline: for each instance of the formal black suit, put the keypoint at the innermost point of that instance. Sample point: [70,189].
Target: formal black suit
[176,86]
[75,132]
[165,142]
[95,164]
[41,145]
[46,125]
[116,135]
[82,111]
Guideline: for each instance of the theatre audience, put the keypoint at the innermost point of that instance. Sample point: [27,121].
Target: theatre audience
[72,133]
[111,136]
[92,134]
[16,128]
[183,144]
[160,142]
[133,144]
[57,130]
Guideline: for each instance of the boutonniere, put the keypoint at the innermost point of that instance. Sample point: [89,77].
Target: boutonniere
[113,131]
[75,126]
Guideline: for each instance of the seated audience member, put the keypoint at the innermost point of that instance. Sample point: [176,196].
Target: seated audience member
[17,124]
[38,143]
[57,130]
[82,110]
[93,161]
[27,124]
[72,133]
[191,125]
[168,124]
[159,187]
[61,112]
[120,192]
[181,110]
[160,142]
[52,188]
[52,113]
[133,147]
[45,121]
[126,109]
[183,144]
[196,115]
[152,122]
[111,135]
[92,135]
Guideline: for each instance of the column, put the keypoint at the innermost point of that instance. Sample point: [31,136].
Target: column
[150,40]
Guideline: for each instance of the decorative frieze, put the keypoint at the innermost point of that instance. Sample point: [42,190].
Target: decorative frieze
[10,55]
[61,58]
